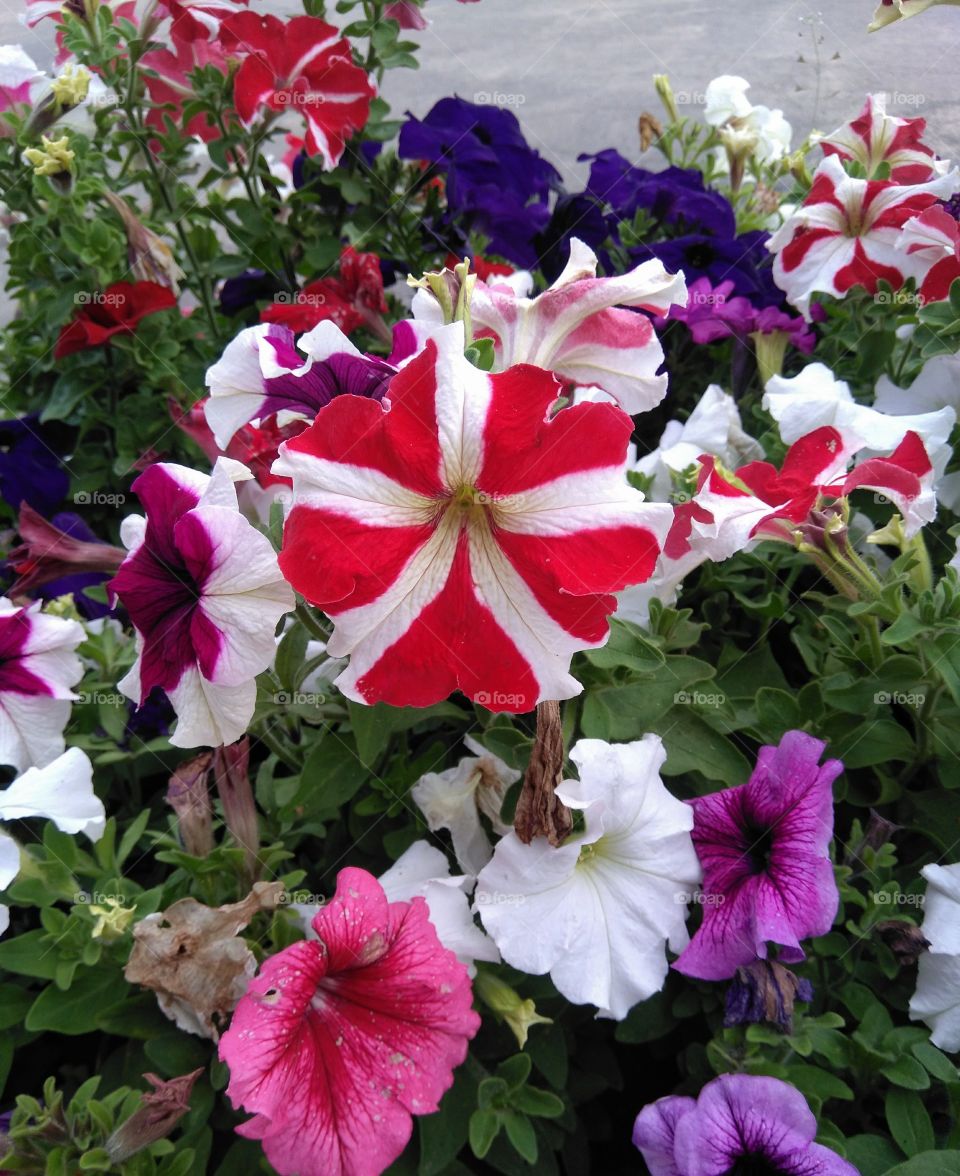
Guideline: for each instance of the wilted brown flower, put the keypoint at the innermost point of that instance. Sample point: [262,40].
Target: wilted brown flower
[540,812]
[160,1110]
[191,956]
[188,794]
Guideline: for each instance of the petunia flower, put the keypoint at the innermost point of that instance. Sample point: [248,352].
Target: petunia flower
[739,1123]
[114,311]
[875,138]
[579,328]
[936,1000]
[302,65]
[933,240]
[354,299]
[340,1040]
[204,595]
[30,467]
[423,870]
[764,849]
[47,554]
[262,373]
[18,75]
[814,398]
[166,75]
[714,312]
[598,911]
[455,798]
[38,669]
[446,536]
[726,106]
[62,791]
[846,234]
[193,20]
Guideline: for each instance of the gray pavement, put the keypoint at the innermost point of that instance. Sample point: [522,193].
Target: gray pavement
[578,72]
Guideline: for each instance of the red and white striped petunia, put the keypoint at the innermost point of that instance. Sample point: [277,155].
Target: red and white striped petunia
[464,538]
[302,65]
[874,138]
[846,234]
[934,238]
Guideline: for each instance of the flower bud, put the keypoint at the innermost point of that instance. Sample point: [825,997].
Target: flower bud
[508,1005]
[160,1110]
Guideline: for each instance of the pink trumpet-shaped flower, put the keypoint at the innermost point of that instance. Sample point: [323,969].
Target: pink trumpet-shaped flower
[339,1040]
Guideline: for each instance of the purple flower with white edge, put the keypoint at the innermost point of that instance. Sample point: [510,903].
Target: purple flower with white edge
[262,373]
[739,1123]
[204,594]
[764,849]
[38,668]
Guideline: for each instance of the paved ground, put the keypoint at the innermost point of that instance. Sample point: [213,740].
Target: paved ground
[577,72]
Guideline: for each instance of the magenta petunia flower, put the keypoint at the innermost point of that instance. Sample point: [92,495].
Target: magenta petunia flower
[740,1123]
[764,849]
[341,1039]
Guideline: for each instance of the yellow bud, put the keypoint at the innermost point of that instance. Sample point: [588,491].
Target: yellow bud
[71,87]
[52,157]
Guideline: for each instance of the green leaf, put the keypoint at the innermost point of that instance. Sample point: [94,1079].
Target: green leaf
[694,746]
[909,1121]
[443,1135]
[29,954]
[75,1011]
[871,1155]
[542,1104]
[484,1129]
[646,1021]
[621,713]
[777,711]
[521,1134]
[908,1073]
[811,1080]
[515,1071]
[929,1163]
[937,1063]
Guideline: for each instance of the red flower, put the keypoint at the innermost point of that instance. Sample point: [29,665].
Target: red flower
[354,299]
[168,83]
[481,267]
[254,446]
[110,312]
[301,64]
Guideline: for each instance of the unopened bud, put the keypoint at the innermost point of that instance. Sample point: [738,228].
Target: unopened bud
[507,1004]
[160,1110]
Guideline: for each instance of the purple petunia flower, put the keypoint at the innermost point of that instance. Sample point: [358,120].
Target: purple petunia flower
[740,1123]
[30,467]
[764,849]
[712,312]
[770,319]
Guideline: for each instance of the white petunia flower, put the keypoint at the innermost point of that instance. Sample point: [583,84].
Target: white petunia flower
[936,1001]
[598,912]
[61,791]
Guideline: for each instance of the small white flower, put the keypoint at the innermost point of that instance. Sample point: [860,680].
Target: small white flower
[598,912]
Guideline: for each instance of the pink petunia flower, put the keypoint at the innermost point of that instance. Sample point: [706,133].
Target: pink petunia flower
[38,667]
[304,65]
[934,238]
[204,594]
[846,234]
[464,538]
[875,138]
[339,1040]
[764,849]
[580,327]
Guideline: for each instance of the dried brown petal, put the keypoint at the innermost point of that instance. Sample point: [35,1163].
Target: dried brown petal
[191,956]
[651,129]
[904,939]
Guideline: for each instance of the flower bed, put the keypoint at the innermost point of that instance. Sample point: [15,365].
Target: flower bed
[499,718]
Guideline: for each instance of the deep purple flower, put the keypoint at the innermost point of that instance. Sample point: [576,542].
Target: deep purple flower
[675,196]
[718,258]
[496,183]
[741,1123]
[711,313]
[246,289]
[764,849]
[579,216]
[30,466]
